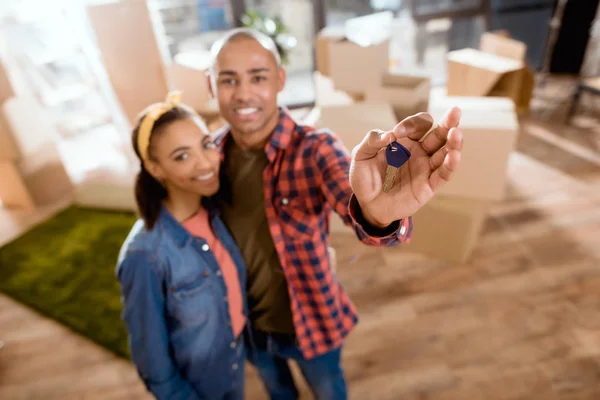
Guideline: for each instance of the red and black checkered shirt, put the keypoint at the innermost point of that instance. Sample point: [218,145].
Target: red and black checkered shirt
[306,178]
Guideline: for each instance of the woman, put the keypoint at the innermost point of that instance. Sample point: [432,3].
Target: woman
[181,275]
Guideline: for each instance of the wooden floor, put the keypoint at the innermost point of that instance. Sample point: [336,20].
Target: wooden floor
[519,321]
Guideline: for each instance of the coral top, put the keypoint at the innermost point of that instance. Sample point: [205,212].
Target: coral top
[198,225]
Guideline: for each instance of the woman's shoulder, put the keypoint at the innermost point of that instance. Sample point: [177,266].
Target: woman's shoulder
[139,238]
[141,244]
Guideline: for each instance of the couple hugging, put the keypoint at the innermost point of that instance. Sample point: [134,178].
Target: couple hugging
[229,260]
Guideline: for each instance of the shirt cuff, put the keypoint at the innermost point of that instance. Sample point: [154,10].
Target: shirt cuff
[373,231]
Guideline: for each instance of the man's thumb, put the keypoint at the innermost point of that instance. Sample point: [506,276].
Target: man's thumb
[373,141]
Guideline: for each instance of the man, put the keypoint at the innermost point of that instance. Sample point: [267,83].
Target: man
[280,182]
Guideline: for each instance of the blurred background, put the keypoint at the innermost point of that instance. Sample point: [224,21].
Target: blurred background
[495,298]
[60,53]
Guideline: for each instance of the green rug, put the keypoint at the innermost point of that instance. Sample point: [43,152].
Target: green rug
[65,269]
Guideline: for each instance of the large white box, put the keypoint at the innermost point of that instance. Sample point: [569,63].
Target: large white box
[490,129]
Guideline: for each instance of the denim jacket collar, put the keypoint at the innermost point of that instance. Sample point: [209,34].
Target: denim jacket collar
[182,236]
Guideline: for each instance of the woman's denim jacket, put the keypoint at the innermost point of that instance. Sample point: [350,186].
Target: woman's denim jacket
[176,312]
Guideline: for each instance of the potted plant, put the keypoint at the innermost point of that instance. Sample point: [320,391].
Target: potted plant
[272,27]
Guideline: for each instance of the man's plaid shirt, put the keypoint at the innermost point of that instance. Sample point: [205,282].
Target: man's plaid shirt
[307,177]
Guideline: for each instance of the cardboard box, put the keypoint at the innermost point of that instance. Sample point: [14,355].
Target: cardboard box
[448,228]
[215,123]
[327,95]
[6,89]
[490,129]
[476,73]
[8,148]
[13,191]
[45,176]
[336,225]
[500,44]
[106,189]
[408,94]
[355,55]
[129,48]
[31,126]
[498,68]
[351,123]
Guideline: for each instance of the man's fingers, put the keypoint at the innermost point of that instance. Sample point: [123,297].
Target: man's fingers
[414,126]
[455,139]
[372,143]
[445,172]
[454,142]
[437,159]
[437,138]
[417,127]
[444,163]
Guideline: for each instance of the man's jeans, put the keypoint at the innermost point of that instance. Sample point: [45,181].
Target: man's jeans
[324,374]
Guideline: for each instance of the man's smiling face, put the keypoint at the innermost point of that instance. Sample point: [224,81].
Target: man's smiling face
[248,80]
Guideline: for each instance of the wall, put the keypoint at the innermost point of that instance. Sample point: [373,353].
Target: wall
[591,64]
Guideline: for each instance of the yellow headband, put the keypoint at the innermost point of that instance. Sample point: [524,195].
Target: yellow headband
[155,112]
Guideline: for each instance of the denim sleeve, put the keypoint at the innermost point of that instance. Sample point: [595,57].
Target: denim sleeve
[144,316]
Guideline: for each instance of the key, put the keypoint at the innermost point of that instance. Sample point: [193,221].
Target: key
[396,155]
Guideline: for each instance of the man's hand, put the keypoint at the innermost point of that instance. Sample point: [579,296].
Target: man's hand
[432,163]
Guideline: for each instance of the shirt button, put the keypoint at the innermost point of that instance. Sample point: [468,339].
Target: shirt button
[232,345]
[234,366]
[285,201]
[205,247]
[219,273]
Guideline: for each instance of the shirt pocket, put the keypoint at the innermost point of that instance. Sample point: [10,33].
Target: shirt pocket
[192,301]
[298,222]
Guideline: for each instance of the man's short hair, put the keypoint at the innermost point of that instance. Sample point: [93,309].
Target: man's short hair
[244,33]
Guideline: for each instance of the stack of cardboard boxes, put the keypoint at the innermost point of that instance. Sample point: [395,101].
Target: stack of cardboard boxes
[449,225]
[31,169]
[13,192]
[138,66]
[356,61]
[131,53]
[357,92]
[496,69]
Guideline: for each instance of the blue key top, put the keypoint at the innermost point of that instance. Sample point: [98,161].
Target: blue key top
[396,154]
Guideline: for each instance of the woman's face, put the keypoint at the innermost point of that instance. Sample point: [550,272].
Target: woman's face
[185,158]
